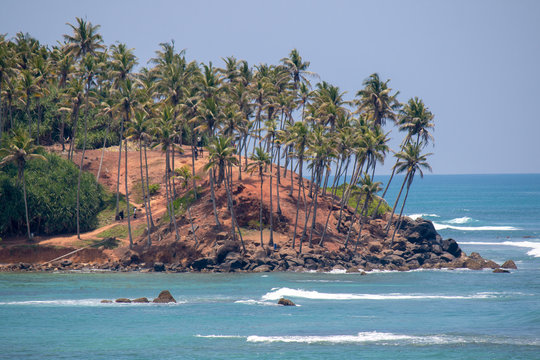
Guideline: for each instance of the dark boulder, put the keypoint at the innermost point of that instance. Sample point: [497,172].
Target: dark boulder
[202,263]
[66,262]
[500,271]
[159,266]
[509,264]
[106,301]
[285,302]
[123,300]
[452,247]
[141,300]
[262,268]
[420,230]
[164,297]
[225,249]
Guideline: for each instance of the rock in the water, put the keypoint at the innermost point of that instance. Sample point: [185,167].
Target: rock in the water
[159,266]
[106,301]
[141,300]
[509,264]
[285,302]
[420,230]
[452,247]
[500,271]
[123,300]
[164,297]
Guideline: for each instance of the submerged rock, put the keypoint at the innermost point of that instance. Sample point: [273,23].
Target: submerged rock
[500,271]
[285,302]
[106,301]
[164,297]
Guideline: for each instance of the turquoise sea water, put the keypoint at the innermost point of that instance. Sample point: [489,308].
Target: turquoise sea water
[446,314]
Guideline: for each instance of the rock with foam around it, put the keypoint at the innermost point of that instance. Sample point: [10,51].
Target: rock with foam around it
[285,302]
[123,301]
[141,300]
[164,297]
[500,271]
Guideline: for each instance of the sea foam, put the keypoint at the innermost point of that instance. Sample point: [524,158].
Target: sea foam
[416,216]
[278,293]
[533,246]
[439,226]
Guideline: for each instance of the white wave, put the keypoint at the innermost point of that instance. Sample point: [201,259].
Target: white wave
[416,216]
[79,302]
[382,338]
[276,294]
[256,302]
[474,228]
[220,336]
[461,220]
[534,246]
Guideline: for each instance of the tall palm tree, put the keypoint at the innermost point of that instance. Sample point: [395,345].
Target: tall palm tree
[138,131]
[416,119]
[411,161]
[6,71]
[221,155]
[375,98]
[165,134]
[369,190]
[260,159]
[85,39]
[19,150]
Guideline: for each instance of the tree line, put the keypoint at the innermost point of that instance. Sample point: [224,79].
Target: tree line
[268,120]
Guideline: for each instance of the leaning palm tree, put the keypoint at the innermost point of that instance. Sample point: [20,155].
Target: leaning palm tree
[18,150]
[260,160]
[410,161]
[416,119]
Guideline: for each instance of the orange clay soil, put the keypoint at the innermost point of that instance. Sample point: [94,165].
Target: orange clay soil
[246,193]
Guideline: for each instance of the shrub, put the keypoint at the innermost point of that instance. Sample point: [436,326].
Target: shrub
[52,192]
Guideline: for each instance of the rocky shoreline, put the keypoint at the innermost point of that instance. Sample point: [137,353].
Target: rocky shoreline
[419,247]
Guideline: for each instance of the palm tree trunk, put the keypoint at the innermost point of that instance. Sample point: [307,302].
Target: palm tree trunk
[213,196]
[383,194]
[271,241]
[261,209]
[314,220]
[363,214]
[193,160]
[278,181]
[297,202]
[148,229]
[173,217]
[330,210]
[26,207]
[149,208]
[82,162]
[127,192]
[353,220]
[103,151]
[40,113]
[118,174]
[234,223]
[395,204]
[396,229]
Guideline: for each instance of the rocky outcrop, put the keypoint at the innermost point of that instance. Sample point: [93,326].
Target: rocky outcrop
[285,302]
[509,264]
[141,300]
[500,271]
[123,301]
[164,297]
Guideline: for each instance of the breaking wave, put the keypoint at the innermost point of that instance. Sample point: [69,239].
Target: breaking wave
[278,293]
[79,302]
[533,246]
[382,338]
[439,226]
[416,216]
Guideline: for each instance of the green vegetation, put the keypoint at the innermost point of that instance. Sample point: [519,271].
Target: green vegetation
[121,231]
[51,190]
[82,94]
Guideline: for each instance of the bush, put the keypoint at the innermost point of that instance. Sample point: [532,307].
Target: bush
[154,188]
[52,195]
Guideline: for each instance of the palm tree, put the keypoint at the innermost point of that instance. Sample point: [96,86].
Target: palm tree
[85,39]
[376,100]
[297,68]
[369,190]
[19,150]
[138,131]
[165,134]
[411,161]
[260,160]
[416,119]
[6,71]
[221,155]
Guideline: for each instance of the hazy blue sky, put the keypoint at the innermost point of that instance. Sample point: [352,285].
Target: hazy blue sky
[476,64]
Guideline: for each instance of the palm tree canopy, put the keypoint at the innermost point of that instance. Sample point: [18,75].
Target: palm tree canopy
[85,39]
[18,150]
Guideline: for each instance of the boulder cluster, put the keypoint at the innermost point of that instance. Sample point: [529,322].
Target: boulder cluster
[164,297]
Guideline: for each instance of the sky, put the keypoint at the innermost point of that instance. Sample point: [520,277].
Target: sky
[475,63]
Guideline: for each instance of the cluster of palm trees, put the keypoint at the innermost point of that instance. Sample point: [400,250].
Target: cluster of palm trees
[270,114]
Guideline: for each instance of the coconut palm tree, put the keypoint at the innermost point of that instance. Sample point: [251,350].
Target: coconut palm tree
[85,39]
[416,120]
[138,131]
[297,68]
[6,71]
[260,159]
[410,161]
[165,134]
[376,100]
[19,150]
[221,155]
[368,190]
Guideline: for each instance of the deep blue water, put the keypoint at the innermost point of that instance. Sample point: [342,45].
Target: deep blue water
[456,314]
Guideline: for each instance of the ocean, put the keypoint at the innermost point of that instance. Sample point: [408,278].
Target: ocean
[435,314]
